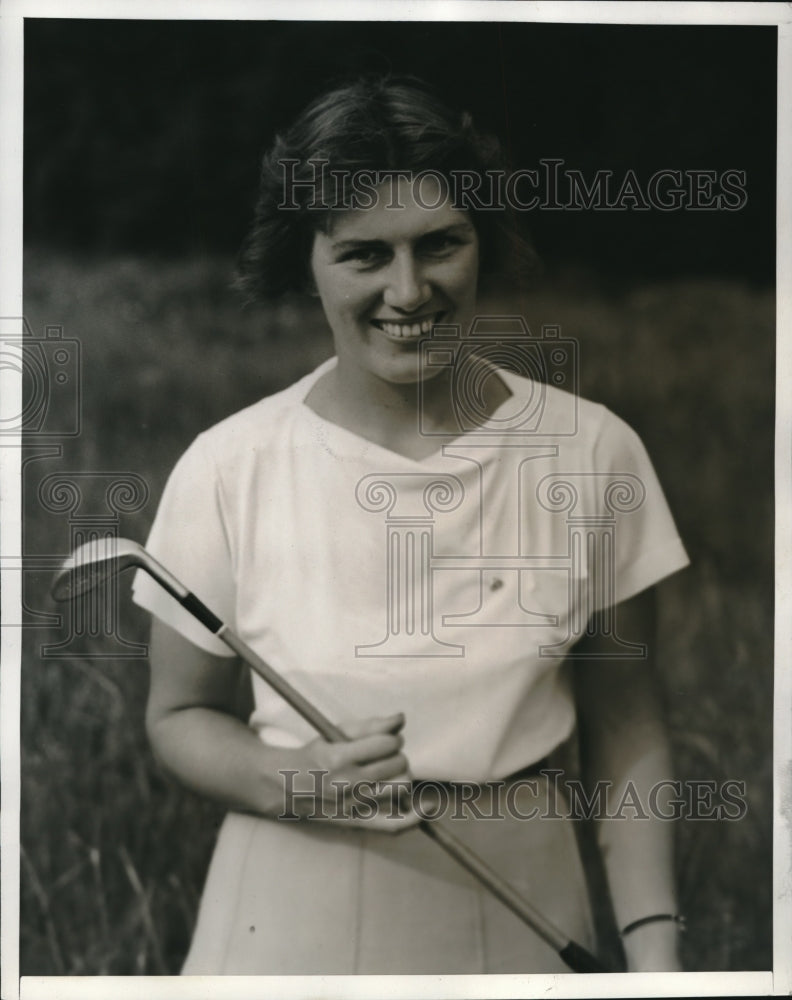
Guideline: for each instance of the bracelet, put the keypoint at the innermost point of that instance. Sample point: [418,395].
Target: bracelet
[654,918]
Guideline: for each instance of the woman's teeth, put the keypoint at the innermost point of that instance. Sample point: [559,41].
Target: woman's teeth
[405,329]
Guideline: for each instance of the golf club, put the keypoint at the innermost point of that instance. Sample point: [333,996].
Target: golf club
[98,560]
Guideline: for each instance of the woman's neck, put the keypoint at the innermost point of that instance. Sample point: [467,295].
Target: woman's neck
[412,419]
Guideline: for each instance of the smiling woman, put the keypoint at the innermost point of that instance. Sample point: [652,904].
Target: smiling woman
[476,572]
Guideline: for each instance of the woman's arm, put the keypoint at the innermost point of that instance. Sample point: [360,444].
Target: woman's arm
[198,732]
[623,740]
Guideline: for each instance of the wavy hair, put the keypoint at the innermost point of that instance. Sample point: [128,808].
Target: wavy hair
[377,125]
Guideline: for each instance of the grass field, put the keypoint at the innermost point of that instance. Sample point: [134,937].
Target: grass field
[114,854]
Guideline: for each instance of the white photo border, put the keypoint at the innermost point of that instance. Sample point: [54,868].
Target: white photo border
[779,982]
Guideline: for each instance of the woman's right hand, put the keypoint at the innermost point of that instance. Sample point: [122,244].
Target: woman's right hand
[199,733]
[363,782]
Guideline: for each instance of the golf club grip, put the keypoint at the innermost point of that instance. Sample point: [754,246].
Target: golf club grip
[576,956]
[580,960]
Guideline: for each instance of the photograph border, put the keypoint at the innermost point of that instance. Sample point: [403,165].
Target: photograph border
[777,982]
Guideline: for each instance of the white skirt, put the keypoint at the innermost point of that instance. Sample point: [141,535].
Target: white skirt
[311,898]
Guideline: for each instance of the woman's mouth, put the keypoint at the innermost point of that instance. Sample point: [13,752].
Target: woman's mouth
[404,329]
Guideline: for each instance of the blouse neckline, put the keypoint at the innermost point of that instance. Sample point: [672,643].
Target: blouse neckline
[307,383]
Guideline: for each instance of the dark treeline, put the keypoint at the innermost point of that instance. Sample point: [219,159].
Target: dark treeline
[145,136]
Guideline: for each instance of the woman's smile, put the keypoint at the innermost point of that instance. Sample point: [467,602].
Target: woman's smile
[408,329]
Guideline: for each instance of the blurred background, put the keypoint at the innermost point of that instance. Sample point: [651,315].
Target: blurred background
[142,142]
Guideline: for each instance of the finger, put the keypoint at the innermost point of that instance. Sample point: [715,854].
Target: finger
[392,794]
[395,808]
[381,822]
[357,728]
[335,757]
[392,824]
[364,751]
[389,769]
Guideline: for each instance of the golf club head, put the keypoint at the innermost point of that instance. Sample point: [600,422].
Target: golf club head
[93,563]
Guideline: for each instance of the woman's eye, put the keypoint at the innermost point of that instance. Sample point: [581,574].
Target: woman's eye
[364,256]
[440,245]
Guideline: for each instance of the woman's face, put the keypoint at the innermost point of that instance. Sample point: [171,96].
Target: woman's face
[387,274]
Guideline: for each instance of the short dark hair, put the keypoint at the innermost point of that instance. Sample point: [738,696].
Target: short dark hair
[372,124]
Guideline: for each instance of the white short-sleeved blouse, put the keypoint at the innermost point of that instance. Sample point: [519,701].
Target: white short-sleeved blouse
[448,588]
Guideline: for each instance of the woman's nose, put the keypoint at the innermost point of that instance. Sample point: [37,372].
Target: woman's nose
[407,287]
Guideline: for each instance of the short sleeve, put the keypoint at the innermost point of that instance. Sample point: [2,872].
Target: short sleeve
[189,537]
[646,543]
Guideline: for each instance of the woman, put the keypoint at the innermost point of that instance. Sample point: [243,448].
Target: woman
[357,530]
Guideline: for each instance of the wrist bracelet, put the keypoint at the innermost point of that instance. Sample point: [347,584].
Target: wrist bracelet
[654,918]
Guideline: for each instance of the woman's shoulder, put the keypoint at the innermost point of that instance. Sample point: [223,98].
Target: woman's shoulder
[580,426]
[259,425]
[547,410]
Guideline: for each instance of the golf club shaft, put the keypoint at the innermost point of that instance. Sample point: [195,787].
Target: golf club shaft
[575,956]
[327,729]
